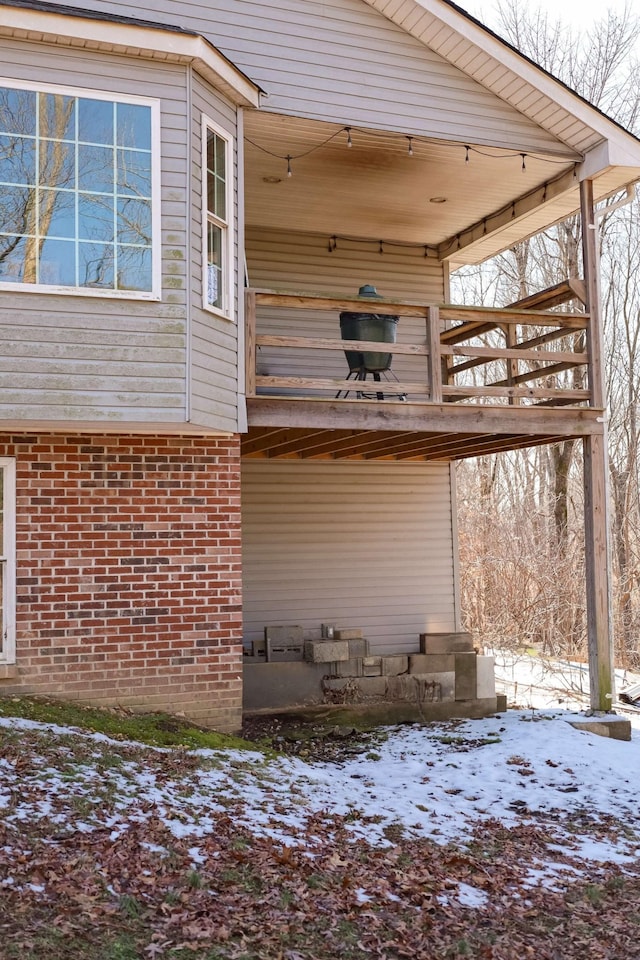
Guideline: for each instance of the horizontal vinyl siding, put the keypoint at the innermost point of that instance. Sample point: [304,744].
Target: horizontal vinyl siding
[214,340]
[74,358]
[365,545]
[301,262]
[342,61]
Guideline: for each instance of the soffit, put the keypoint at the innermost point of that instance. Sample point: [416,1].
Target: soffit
[478,52]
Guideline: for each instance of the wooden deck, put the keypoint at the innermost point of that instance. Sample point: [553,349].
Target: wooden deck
[475,381]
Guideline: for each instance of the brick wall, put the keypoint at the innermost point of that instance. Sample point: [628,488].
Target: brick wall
[129,573]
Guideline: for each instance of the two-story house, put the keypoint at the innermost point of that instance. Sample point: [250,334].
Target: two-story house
[187,207]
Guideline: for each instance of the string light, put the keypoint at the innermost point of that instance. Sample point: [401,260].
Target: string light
[332,244]
[468,149]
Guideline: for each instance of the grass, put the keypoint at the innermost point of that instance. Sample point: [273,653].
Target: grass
[154,729]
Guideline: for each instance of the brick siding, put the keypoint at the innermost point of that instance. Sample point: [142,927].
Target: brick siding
[129,573]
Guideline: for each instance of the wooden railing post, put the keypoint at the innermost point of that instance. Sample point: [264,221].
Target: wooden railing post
[435,357]
[250,343]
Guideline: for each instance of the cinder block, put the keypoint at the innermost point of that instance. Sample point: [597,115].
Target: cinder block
[284,633]
[372,666]
[372,686]
[432,663]
[347,668]
[422,687]
[259,648]
[446,643]
[326,651]
[501,703]
[394,665]
[278,652]
[351,634]
[466,676]
[486,677]
[358,647]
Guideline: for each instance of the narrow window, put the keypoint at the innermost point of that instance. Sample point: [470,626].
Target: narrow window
[77,191]
[217,217]
[7,560]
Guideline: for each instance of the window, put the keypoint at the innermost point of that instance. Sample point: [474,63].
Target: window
[7,560]
[217,214]
[76,191]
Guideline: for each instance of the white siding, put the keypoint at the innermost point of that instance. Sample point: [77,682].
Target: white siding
[80,358]
[365,545]
[342,61]
[214,340]
[301,262]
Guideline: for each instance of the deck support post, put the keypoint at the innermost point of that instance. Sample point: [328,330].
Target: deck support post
[596,479]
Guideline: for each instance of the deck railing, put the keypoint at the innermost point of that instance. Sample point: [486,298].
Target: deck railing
[444,353]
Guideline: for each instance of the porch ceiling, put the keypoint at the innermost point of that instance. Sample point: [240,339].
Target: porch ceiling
[376,190]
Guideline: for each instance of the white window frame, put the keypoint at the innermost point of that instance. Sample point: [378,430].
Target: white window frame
[156,253]
[228,270]
[8,562]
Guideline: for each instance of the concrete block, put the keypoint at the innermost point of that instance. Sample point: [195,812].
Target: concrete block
[372,686]
[281,652]
[347,668]
[501,703]
[372,666]
[284,633]
[432,663]
[486,677]
[422,688]
[446,643]
[350,634]
[394,665]
[326,651]
[358,647]
[614,727]
[259,648]
[466,676]
[275,686]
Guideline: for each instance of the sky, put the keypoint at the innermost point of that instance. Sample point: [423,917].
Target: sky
[578,13]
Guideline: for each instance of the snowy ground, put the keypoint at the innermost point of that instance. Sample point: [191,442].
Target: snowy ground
[441,781]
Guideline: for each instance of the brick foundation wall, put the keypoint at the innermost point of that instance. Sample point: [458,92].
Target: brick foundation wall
[129,572]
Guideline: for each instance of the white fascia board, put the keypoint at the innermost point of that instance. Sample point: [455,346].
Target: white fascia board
[135,41]
[489,45]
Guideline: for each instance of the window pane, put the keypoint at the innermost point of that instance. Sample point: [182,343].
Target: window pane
[3,546]
[134,268]
[134,221]
[214,266]
[18,111]
[17,160]
[133,126]
[96,268]
[95,121]
[95,169]
[95,217]
[57,213]
[18,210]
[57,263]
[134,173]
[57,116]
[57,164]
[216,176]
[17,259]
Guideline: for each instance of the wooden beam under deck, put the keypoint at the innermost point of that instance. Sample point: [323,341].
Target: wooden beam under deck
[383,430]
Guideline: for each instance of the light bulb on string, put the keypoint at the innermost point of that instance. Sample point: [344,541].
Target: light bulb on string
[349,140]
[289,171]
[524,165]
[410,151]
[466,155]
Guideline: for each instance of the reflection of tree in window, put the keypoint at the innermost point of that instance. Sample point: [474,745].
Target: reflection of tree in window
[75,190]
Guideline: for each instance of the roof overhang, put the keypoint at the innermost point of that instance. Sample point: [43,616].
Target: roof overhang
[45,23]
